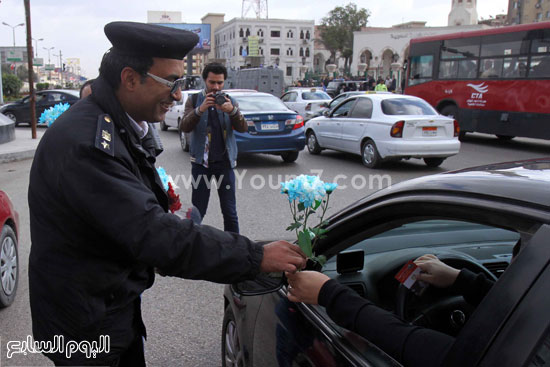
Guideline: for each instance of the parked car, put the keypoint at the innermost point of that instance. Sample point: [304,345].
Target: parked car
[272,127]
[470,219]
[335,101]
[9,259]
[385,126]
[335,87]
[304,100]
[20,111]
[175,113]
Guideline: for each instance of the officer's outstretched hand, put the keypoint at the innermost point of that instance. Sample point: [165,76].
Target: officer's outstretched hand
[282,256]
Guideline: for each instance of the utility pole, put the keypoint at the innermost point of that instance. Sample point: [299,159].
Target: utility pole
[31,70]
[60,67]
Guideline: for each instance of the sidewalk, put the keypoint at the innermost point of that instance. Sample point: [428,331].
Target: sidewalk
[23,147]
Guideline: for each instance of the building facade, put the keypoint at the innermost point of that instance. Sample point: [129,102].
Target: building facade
[463,12]
[528,11]
[283,43]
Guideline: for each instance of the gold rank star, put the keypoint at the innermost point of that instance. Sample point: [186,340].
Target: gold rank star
[107,118]
[105,135]
[105,145]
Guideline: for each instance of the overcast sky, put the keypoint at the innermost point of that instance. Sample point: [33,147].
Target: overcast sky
[76,26]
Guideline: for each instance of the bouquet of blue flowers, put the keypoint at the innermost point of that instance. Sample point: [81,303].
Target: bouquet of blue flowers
[307,195]
[52,113]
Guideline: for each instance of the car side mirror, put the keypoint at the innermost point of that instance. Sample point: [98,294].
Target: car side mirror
[326,113]
[264,283]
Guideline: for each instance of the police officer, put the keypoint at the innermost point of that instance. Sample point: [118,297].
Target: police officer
[98,210]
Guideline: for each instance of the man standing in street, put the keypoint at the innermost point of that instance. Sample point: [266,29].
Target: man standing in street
[98,209]
[211,117]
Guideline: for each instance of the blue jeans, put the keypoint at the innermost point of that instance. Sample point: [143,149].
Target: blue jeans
[225,177]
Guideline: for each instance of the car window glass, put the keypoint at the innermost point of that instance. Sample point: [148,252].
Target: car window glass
[292,97]
[260,103]
[285,98]
[311,96]
[406,106]
[362,109]
[343,109]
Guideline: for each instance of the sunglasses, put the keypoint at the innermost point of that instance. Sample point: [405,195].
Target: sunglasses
[174,86]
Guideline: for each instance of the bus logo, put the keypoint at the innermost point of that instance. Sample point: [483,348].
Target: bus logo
[480,88]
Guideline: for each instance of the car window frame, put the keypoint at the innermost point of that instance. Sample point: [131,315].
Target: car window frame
[344,102]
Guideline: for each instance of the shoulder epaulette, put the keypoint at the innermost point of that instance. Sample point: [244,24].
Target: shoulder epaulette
[104,138]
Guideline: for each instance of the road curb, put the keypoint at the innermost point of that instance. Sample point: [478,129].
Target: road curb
[17,156]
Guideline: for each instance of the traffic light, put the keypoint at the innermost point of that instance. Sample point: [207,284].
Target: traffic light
[63,66]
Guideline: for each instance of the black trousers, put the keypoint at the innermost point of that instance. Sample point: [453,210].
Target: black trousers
[134,356]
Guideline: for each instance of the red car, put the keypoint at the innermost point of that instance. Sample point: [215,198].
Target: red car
[9,262]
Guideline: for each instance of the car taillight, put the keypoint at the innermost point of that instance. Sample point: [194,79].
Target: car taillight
[298,122]
[457,128]
[397,129]
[308,107]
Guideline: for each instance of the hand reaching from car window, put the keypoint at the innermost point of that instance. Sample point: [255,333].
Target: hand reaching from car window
[282,256]
[436,272]
[305,286]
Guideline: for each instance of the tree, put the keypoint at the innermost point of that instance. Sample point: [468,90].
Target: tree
[337,30]
[11,85]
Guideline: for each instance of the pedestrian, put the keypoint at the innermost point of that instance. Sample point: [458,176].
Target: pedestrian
[213,148]
[381,86]
[98,209]
[393,85]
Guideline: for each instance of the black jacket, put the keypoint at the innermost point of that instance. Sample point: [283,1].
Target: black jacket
[99,227]
[409,344]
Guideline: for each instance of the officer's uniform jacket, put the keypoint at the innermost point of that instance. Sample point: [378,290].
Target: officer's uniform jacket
[99,226]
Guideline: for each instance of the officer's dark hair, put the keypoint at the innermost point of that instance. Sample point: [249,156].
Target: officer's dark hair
[86,83]
[113,62]
[214,68]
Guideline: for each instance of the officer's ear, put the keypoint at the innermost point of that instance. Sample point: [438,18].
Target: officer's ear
[129,79]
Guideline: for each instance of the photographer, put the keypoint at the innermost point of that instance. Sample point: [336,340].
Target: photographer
[210,116]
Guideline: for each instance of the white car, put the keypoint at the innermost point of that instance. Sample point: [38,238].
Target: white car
[175,113]
[305,101]
[385,126]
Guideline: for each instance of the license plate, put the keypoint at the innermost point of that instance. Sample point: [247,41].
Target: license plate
[270,126]
[429,131]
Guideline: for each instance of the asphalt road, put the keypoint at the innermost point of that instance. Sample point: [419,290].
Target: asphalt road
[184,317]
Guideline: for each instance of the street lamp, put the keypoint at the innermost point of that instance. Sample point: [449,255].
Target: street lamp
[13,29]
[48,49]
[36,45]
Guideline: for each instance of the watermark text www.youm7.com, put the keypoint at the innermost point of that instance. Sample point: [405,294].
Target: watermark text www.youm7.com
[59,345]
[273,181]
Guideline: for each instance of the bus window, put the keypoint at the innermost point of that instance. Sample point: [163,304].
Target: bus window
[460,48]
[421,69]
[539,67]
[515,67]
[448,69]
[491,68]
[505,44]
[467,69]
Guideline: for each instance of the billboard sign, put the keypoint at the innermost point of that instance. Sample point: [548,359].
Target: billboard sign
[202,30]
[38,61]
[14,56]
[49,67]
[253,45]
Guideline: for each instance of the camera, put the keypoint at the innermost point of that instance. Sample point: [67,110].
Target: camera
[220,97]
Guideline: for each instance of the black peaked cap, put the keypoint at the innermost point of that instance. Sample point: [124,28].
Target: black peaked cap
[141,39]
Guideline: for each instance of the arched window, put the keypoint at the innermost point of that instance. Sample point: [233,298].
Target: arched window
[307,52]
[302,35]
[260,33]
[307,35]
[301,51]
[241,51]
[241,33]
[261,51]
[247,32]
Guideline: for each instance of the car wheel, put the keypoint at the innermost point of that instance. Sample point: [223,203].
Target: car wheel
[163,126]
[433,162]
[183,141]
[505,137]
[312,144]
[9,266]
[289,157]
[232,353]
[369,154]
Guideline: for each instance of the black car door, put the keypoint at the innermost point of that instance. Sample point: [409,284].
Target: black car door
[290,334]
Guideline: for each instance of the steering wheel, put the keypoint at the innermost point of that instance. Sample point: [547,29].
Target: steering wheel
[438,308]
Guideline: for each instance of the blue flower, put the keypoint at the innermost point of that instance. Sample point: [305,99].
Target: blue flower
[52,113]
[164,177]
[305,189]
[330,187]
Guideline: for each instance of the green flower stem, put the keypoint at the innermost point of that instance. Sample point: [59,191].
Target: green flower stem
[325,208]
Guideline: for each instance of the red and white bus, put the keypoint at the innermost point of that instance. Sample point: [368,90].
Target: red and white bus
[494,81]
